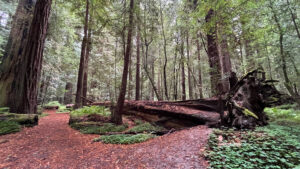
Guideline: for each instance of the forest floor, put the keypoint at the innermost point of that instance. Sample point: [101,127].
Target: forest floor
[53,144]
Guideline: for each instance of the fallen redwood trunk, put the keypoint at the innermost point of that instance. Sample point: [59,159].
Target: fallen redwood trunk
[243,107]
[174,111]
[195,111]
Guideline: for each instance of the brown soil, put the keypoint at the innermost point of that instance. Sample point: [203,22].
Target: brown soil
[53,144]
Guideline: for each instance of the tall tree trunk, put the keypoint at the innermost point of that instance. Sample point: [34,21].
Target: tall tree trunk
[213,54]
[129,79]
[249,55]
[183,96]
[115,71]
[138,62]
[12,66]
[175,71]
[33,56]
[165,54]
[268,58]
[78,100]
[45,90]
[293,18]
[288,84]
[86,65]
[68,93]
[225,63]
[199,66]
[188,65]
[117,113]
[151,78]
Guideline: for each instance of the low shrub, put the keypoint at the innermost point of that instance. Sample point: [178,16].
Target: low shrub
[98,128]
[7,127]
[145,127]
[63,109]
[53,103]
[281,114]
[27,120]
[124,139]
[4,110]
[91,110]
[43,115]
[138,122]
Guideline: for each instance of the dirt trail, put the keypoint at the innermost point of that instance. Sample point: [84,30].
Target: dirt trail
[53,144]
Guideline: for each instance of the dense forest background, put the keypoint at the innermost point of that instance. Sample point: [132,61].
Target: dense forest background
[169,59]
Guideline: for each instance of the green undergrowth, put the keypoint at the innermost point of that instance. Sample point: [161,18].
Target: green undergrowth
[263,148]
[52,104]
[4,110]
[285,114]
[61,108]
[124,138]
[43,115]
[98,128]
[99,110]
[145,127]
[8,127]
[274,146]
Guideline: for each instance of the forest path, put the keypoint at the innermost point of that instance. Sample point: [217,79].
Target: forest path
[53,144]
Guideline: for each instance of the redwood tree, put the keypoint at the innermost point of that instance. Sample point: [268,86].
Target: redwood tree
[24,85]
[78,100]
[12,65]
[213,54]
[138,62]
[86,66]
[117,113]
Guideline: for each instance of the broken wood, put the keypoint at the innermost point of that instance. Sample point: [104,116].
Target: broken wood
[248,98]
[242,107]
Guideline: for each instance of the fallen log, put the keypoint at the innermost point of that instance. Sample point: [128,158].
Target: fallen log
[159,133]
[50,107]
[174,111]
[243,106]
[27,120]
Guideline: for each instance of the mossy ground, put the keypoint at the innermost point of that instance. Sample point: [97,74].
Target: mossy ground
[141,128]
[145,127]
[124,138]
[8,127]
[98,127]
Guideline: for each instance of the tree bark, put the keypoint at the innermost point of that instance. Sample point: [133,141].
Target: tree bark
[129,79]
[188,65]
[117,113]
[68,93]
[86,65]
[33,56]
[213,54]
[165,54]
[138,63]
[225,63]
[199,66]
[12,66]
[183,97]
[78,100]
